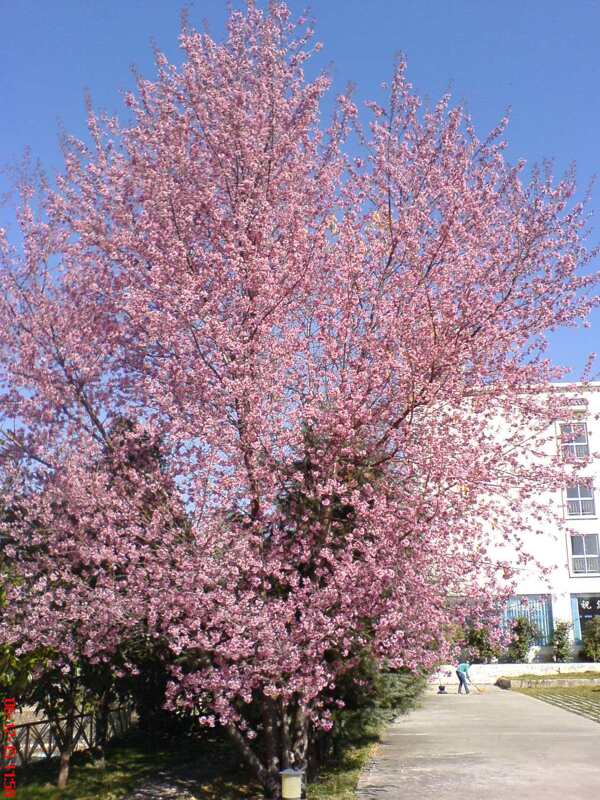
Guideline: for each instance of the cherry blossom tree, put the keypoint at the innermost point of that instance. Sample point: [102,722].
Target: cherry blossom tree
[320,324]
[75,550]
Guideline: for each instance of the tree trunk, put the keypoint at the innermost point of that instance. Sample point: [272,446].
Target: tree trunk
[268,773]
[300,745]
[249,755]
[102,730]
[66,749]
[286,742]
[272,748]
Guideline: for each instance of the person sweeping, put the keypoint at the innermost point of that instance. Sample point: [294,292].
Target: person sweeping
[462,673]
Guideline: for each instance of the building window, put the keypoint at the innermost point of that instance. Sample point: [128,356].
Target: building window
[584,607]
[580,500]
[585,553]
[574,440]
[534,607]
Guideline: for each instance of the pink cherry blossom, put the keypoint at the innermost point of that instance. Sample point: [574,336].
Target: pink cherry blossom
[318,345]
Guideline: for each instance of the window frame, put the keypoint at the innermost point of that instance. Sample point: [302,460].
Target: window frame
[537,608]
[563,447]
[579,500]
[585,556]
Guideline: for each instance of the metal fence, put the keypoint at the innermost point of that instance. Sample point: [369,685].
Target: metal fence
[37,740]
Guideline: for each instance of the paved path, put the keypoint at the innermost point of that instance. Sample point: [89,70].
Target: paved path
[498,745]
[167,785]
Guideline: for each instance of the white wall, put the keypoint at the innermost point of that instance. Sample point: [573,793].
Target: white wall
[489,673]
[551,548]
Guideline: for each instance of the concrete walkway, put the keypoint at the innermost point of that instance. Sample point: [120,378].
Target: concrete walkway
[498,745]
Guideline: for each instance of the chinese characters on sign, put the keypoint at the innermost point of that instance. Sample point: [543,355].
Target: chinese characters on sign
[589,607]
[9,750]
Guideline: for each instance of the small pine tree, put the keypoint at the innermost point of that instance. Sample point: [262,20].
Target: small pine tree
[479,645]
[561,642]
[525,632]
[591,639]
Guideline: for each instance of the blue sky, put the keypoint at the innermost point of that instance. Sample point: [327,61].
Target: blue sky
[541,58]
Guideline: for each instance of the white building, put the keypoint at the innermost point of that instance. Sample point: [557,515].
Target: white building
[571,593]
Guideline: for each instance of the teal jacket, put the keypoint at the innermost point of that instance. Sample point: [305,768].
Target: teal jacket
[464,668]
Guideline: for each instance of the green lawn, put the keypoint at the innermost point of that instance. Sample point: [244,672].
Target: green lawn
[216,772]
[582,700]
[590,673]
[338,781]
[208,770]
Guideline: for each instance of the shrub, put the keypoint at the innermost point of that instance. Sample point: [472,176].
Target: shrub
[591,639]
[480,648]
[561,642]
[371,697]
[524,634]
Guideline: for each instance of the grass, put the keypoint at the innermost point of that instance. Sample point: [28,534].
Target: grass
[209,769]
[593,692]
[216,773]
[549,676]
[338,780]
[582,700]
[584,691]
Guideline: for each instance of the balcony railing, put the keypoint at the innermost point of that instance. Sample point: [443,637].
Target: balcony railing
[584,565]
[581,507]
[575,451]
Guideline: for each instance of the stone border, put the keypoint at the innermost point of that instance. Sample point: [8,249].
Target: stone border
[531,683]
[489,673]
